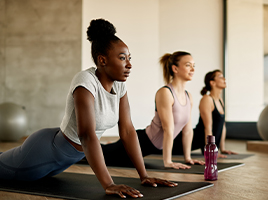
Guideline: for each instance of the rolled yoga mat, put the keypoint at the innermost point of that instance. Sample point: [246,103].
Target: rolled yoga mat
[83,186]
[157,165]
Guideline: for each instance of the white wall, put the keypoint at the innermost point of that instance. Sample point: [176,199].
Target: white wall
[137,25]
[197,27]
[153,29]
[244,96]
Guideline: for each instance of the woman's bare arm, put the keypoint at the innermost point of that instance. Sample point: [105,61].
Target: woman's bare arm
[130,140]
[85,116]
[164,102]
[187,138]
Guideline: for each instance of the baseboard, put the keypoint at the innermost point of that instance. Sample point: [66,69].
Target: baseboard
[242,130]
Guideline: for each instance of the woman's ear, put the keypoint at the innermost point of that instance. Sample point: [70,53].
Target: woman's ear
[174,69]
[212,83]
[102,60]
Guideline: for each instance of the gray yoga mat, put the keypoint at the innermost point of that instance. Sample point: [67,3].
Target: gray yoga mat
[199,155]
[83,186]
[157,165]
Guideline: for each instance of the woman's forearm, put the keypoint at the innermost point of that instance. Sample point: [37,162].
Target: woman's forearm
[187,144]
[94,156]
[208,131]
[167,147]
[223,136]
[132,146]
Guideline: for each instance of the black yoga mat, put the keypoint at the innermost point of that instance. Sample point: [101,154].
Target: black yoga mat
[157,165]
[83,186]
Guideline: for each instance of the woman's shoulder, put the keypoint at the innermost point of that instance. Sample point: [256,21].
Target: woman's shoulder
[86,72]
[85,76]
[206,97]
[206,101]
[86,79]
[120,87]
[164,91]
[164,95]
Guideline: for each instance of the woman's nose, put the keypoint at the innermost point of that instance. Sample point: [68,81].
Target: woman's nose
[129,64]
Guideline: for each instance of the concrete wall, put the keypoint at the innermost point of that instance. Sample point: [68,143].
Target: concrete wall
[40,51]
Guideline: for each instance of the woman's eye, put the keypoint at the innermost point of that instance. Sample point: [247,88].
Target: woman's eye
[122,58]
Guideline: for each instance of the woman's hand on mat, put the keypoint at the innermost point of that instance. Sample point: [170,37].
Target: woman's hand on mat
[154,181]
[123,190]
[228,152]
[192,162]
[221,156]
[175,165]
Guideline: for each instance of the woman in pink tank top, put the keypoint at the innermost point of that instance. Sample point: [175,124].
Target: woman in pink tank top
[172,116]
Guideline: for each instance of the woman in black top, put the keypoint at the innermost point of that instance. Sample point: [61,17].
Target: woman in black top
[212,118]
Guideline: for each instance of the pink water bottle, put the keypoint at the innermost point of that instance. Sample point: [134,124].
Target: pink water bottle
[211,154]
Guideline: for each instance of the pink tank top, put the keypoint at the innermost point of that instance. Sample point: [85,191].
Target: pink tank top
[181,116]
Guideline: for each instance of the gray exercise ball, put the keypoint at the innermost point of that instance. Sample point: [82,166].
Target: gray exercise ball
[13,122]
[262,124]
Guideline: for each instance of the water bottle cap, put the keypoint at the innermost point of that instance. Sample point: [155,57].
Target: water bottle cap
[211,139]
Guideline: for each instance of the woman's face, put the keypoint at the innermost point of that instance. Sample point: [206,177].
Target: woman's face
[117,66]
[219,80]
[185,69]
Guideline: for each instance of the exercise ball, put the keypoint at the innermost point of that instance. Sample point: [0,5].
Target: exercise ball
[13,122]
[262,124]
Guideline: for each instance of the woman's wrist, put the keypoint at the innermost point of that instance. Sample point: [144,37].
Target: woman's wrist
[188,158]
[109,185]
[166,162]
[143,177]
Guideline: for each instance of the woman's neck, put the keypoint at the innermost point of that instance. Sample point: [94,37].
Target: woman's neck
[106,83]
[179,85]
[216,94]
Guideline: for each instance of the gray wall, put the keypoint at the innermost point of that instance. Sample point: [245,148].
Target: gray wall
[40,51]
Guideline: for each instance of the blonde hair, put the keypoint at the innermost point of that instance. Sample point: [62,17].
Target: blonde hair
[167,60]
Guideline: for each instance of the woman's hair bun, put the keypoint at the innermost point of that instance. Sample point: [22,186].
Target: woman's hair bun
[204,91]
[99,29]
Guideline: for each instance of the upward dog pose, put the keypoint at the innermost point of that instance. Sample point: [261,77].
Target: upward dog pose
[211,120]
[97,100]
[172,115]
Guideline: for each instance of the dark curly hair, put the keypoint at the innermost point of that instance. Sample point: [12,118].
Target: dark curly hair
[101,34]
[167,60]
[209,77]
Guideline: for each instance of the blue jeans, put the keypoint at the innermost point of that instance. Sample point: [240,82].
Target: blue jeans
[44,153]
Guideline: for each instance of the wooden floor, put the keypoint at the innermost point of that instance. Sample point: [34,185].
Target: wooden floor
[247,182]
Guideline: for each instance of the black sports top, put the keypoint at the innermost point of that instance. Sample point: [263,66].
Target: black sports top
[217,126]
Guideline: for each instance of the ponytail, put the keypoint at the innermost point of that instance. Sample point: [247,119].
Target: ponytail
[204,91]
[165,61]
